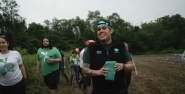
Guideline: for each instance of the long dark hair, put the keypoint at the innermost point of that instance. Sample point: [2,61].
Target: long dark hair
[8,41]
[50,43]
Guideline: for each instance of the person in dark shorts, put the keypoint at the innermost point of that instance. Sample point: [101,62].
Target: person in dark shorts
[48,58]
[62,67]
[86,80]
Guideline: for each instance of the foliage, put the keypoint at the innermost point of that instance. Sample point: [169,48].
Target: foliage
[67,34]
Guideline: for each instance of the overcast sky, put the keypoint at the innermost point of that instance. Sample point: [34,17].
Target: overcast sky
[134,11]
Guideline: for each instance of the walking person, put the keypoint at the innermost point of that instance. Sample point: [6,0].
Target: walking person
[86,80]
[79,63]
[12,71]
[106,61]
[62,66]
[48,58]
[128,74]
[74,67]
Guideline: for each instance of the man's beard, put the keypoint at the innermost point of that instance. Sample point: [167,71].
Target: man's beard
[46,46]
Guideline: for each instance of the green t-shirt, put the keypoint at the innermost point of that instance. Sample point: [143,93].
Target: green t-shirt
[42,54]
[86,56]
[74,61]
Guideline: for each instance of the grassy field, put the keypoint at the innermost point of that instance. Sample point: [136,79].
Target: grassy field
[158,74]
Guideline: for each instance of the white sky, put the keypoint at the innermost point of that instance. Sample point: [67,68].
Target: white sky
[134,11]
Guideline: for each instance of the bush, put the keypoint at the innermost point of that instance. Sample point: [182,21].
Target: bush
[170,51]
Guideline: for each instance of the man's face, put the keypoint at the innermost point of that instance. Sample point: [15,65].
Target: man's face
[46,43]
[104,33]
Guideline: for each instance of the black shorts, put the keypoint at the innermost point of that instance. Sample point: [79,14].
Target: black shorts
[19,88]
[87,80]
[51,80]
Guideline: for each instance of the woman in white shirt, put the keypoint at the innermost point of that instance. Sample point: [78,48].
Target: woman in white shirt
[12,70]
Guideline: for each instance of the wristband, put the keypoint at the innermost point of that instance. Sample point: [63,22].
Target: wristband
[124,66]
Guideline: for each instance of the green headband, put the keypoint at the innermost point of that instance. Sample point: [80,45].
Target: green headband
[104,25]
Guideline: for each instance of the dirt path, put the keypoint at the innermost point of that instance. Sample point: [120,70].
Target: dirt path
[157,75]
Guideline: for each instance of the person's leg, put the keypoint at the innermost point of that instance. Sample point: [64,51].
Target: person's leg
[20,88]
[81,81]
[87,82]
[53,82]
[76,68]
[6,90]
[59,75]
[72,73]
[80,70]
[78,73]
[46,80]
[64,74]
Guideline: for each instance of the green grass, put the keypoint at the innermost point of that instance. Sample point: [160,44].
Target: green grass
[35,84]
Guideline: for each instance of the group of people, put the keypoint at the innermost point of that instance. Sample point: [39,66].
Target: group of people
[106,62]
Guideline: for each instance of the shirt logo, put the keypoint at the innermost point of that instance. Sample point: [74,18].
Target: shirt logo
[98,52]
[116,50]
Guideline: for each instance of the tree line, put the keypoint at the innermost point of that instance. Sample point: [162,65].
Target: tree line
[163,33]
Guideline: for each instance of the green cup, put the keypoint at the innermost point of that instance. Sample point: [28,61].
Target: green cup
[4,70]
[111,70]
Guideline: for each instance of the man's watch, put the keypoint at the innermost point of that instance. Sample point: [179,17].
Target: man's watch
[124,66]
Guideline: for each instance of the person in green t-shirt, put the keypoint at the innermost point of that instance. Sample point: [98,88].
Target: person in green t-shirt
[48,58]
[74,67]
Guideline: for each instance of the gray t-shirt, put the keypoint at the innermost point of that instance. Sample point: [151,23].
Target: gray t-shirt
[11,62]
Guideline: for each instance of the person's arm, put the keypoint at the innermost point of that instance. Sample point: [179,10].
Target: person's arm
[86,66]
[134,65]
[128,66]
[38,65]
[135,70]
[71,59]
[87,71]
[78,58]
[57,59]
[64,61]
[21,67]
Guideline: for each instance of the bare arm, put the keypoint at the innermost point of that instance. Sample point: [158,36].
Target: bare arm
[134,65]
[87,71]
[21,66]
[38,65]
[57,60]
[128,66]
[70,60]
[64,60]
